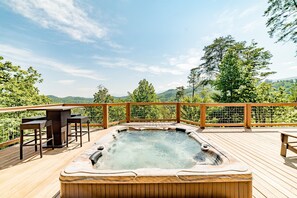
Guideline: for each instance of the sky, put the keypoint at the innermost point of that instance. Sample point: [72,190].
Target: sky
[78,45]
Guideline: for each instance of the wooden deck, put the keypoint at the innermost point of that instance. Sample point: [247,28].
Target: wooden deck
[273,175]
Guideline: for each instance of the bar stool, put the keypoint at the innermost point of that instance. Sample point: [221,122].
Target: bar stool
[77,120]
[37,125]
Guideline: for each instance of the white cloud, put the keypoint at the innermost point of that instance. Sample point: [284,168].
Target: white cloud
[242,19]
[25,57]
[65,16]
[226,19]
[293,68]
[250,27]
[249,11]
[178,65]
[66,82]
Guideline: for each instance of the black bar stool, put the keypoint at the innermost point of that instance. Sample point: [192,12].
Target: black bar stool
[77,120]
[37,125]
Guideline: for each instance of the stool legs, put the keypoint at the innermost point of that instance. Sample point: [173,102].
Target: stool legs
[88,123]
[40,142]
[35,136]
[21,144]
[80,134]
[53,139]
[67,128]
[76,132]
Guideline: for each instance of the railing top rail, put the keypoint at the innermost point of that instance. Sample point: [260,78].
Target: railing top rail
[24,108]
[153,103]
[84,104]
[273,104]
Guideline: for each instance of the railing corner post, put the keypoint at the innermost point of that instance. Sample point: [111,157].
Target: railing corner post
[202,116]
[128,112]
[105,116]
[178,112]
[248,116]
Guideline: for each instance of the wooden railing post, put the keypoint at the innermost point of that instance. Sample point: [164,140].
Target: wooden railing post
[248,116]
[128,112]
[105,116]
[178,112]
[202,116]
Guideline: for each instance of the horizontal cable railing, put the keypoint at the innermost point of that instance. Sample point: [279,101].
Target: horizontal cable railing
[200,114]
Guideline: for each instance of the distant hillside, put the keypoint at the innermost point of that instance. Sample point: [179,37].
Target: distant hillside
[287,84]
[70,99]
[168,95]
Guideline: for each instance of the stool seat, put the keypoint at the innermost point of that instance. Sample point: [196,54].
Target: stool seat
[77,120]
[33,118]
[36,125]
[75,114]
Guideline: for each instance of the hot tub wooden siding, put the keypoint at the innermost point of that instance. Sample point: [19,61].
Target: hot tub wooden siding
[215,189]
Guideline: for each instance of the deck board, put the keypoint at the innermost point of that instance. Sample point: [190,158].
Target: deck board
[273,175]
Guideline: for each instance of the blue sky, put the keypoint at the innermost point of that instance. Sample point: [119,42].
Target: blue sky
[79,44]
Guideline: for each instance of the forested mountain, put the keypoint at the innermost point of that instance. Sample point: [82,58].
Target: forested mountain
[70,99]
[168,95]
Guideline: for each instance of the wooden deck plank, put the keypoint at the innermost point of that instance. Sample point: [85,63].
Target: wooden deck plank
[273,175]
[264,160]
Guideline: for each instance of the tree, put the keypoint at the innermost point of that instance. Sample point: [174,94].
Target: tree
[18,86]
[145,92]
[229,78]
[213,55]
[293,92]
[96,113]
[237,70]
[193,81]
[281,21]
[102,95]
[180,92]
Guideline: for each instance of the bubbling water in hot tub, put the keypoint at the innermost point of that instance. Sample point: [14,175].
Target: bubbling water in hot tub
[153,149]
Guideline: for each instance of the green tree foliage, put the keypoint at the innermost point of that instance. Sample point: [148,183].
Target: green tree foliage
[145,92]
[102,95]
[180,92]
[229,79]
[293,92]
[281,21]
[193,80]
[193,112]
[213,55]
[237,70]
[116,113]
[18,86]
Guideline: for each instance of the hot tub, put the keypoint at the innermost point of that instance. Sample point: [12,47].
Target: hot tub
[159,161]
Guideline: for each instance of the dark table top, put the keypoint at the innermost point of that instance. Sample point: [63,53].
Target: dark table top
[52,108]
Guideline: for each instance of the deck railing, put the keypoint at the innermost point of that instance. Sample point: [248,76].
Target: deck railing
[201,114]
